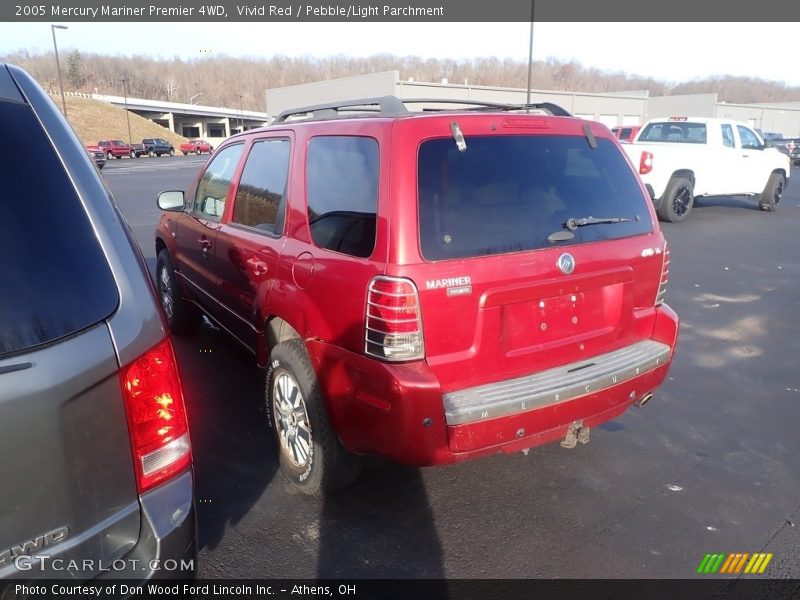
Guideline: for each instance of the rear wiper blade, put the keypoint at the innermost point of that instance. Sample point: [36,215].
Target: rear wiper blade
[572,223]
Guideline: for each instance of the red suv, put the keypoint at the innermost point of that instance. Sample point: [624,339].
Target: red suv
[116,149]
[429,287]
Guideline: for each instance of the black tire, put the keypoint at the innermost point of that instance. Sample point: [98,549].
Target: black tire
[151,154]
[311,457]
[109,155]
[172,151]
[133,154]
[184,153]
[677,200]
[197,151]
[182,316]
[771,196]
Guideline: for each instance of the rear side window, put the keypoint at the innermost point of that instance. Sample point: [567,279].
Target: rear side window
[342,193]
[727,136]
[55,278]
[209,199]
[262,188]
[674,131]
[510,193]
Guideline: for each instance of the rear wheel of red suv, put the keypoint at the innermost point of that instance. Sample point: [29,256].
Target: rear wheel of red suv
[311,456]
[182,316]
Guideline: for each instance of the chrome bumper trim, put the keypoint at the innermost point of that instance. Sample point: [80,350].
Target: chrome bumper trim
[555,385]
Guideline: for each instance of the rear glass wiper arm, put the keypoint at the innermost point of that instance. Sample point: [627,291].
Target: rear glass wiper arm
[572,223]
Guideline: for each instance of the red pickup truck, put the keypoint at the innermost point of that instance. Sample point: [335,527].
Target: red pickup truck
[196,147]
[116,149]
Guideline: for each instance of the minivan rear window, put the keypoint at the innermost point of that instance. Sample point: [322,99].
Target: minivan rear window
[510,193]
[55,278]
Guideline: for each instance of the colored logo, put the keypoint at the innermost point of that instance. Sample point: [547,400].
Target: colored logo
[728,564]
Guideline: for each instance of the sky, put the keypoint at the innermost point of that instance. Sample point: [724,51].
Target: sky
[648,49]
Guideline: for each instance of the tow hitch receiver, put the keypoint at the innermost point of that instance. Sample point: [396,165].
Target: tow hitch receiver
[576,433]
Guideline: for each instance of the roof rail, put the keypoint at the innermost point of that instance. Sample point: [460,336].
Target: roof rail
[392,106]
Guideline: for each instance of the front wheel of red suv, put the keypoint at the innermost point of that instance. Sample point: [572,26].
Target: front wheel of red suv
[311,457]
[182,316]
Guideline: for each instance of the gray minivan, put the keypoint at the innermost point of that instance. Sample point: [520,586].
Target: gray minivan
[96,472]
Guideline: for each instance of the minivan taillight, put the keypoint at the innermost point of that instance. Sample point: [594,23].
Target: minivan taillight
[662,286]
[393,320]
[157,419]
[645,163]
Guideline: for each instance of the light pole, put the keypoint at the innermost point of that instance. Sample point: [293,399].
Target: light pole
[195,96]
[530,63]
[124,81]
[58,66]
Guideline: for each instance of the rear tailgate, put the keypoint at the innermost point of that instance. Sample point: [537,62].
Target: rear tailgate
[506,288]
[67,483]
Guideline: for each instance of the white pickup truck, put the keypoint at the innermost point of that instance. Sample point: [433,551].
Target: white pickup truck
[680,158]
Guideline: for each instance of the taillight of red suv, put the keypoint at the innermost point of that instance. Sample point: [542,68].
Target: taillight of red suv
[393,320]
[157,418]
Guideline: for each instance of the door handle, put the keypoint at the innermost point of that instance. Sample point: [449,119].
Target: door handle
[204,243]
[259,267]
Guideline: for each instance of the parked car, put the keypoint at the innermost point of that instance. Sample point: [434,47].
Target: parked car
[97,155]
[138,150]
[98,465]
[196,147]
[116,149]
[429,287]
[681,158]
[157,147]
[626,133]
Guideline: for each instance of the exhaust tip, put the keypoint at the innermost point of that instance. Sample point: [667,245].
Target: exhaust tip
[644,400]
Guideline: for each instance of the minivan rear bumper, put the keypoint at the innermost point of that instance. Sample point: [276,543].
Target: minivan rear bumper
[167,545]
[399,410]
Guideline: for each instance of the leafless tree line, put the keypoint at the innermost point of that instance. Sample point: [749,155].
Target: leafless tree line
[228,81]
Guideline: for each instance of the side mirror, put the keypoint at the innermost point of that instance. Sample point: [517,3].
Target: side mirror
[769,143]
[172,201]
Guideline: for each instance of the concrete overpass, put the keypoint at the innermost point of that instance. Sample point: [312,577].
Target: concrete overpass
[213,123]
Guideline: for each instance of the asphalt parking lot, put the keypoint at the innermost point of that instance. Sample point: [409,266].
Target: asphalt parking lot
[710,465]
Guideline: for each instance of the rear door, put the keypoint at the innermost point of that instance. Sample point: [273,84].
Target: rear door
[67,485]
[510,285]
[249,242]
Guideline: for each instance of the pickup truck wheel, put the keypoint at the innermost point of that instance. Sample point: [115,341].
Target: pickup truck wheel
[182,316]
[150,153]
[311,457]
[109,155]
[184,153]
[197,152]
[172,151]
[677,201]
[772,193]
[132,153]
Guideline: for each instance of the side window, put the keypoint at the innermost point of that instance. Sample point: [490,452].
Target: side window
[727,136]
[749,139]
[262,188]
[209,199]
[342,193]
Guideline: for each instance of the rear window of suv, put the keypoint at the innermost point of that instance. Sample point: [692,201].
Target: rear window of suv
[509,193]
[56,280]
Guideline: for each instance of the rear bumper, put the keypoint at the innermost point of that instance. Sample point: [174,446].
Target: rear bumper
[167,546]
[399,411]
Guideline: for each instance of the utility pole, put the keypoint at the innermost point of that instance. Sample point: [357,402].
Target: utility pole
[124,81]
[530,62]
[58,66]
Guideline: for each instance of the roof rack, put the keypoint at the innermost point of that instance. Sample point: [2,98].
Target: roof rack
[392,106]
